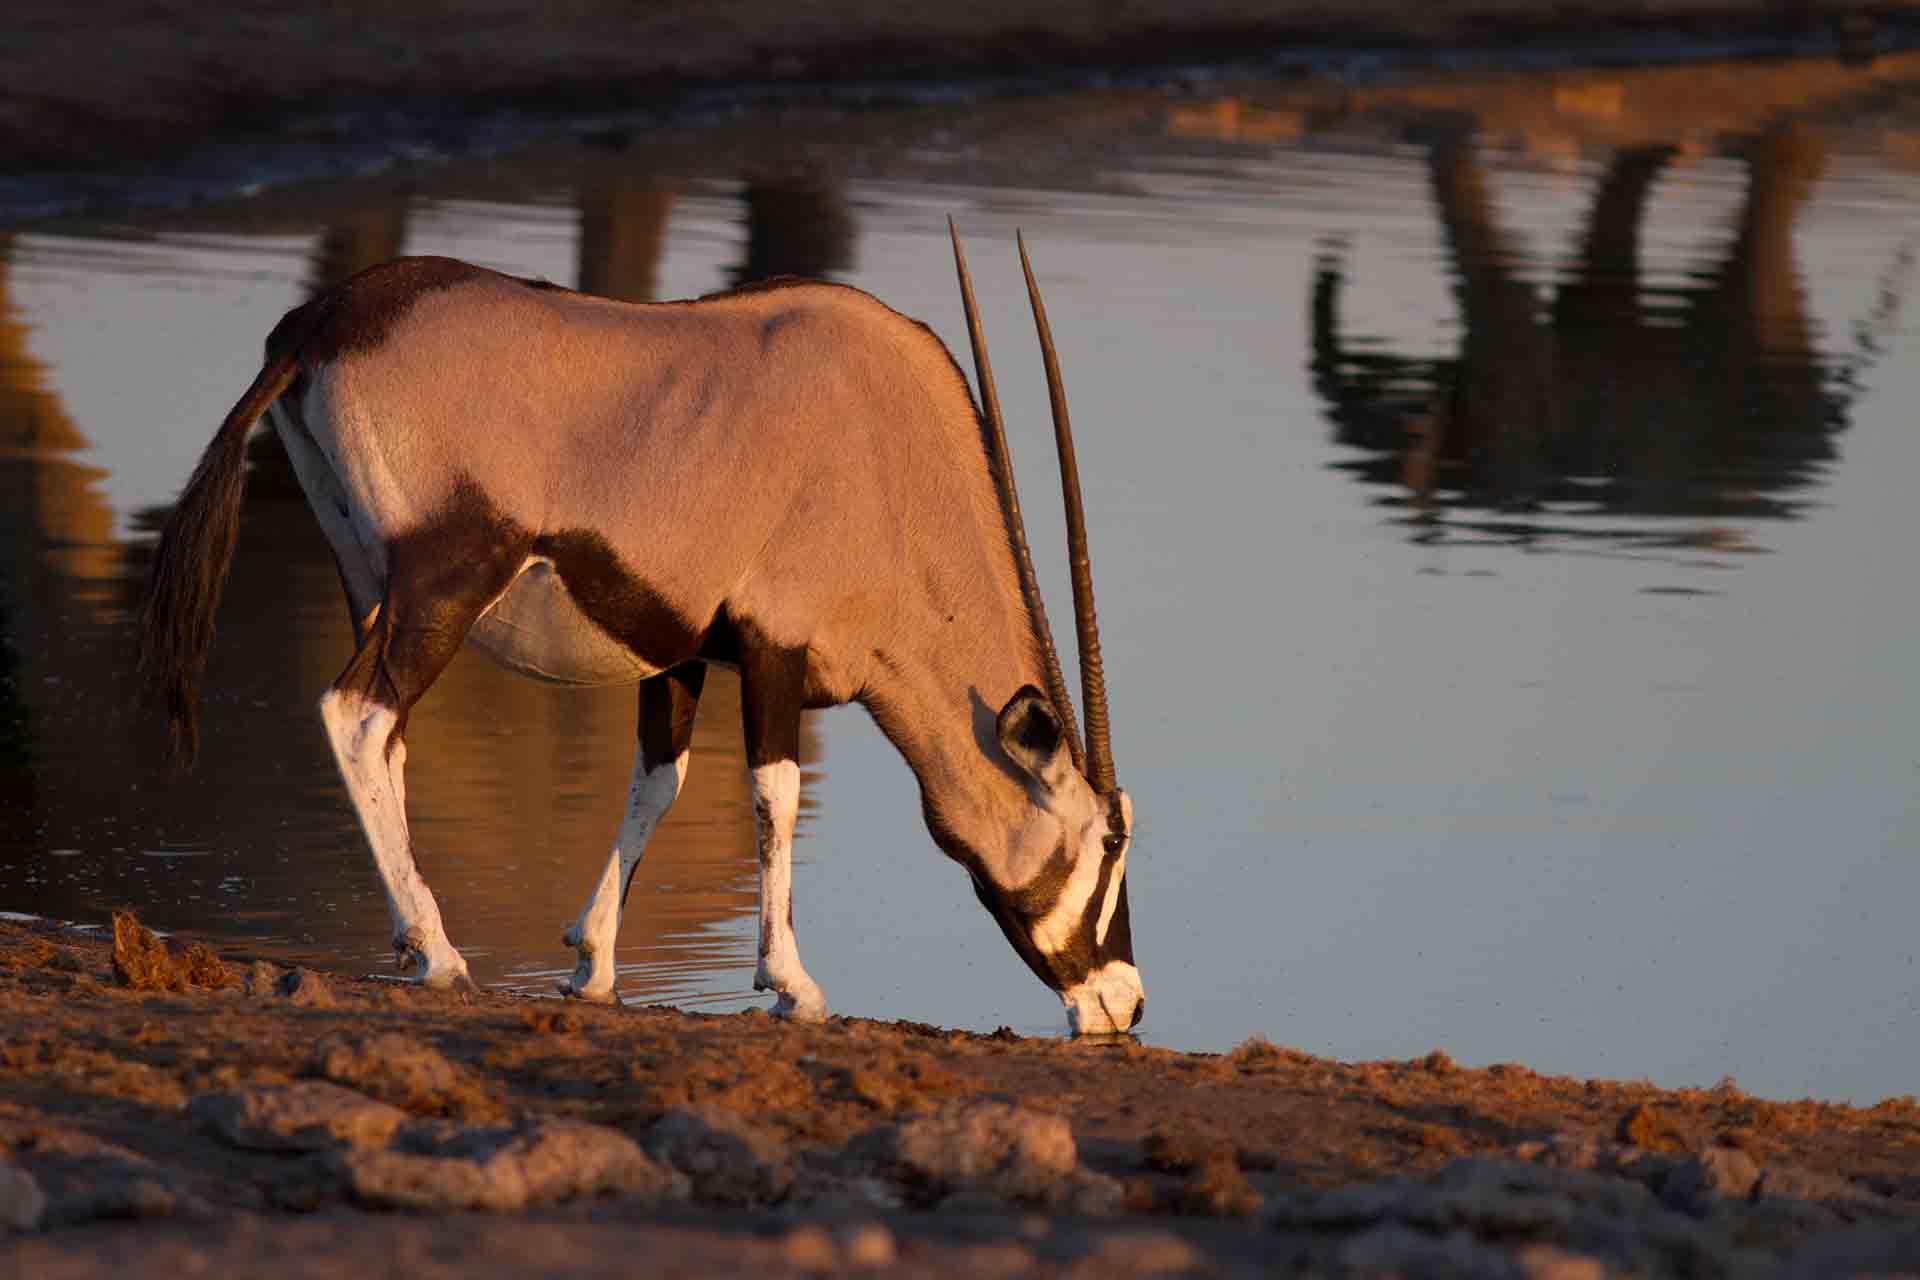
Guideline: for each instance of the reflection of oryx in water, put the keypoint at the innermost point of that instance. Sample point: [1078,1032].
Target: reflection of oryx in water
[791,480]
[1708,399]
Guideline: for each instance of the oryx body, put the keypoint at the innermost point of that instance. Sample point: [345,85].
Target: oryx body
[792,481]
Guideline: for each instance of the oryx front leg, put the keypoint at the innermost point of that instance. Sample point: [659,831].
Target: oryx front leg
[667,705]
[771,685]
[776,807]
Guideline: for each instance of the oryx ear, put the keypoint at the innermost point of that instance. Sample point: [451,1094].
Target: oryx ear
[1030,734]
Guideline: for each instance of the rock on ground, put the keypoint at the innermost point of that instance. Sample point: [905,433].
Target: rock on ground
[309,1115]
[1628,1211]
[21,1201]
[981,1153]
[302,986]
[404,1071]
[62,1177]
[507,1170]
[729,1160]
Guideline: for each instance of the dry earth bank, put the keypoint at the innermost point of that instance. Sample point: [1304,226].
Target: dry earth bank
[167,1108]
[118,84]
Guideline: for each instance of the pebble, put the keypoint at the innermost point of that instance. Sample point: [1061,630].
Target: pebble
[309,1115]
[868,1244]
[22,1203]
[504,1170]
[729,1159]
[810,1248]
[304,987]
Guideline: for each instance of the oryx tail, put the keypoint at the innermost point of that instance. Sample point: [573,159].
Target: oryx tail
[191,562]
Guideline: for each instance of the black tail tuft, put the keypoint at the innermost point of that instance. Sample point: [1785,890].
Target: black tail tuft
[191,563]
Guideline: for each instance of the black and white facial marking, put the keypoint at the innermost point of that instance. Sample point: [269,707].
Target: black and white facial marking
[1061,895]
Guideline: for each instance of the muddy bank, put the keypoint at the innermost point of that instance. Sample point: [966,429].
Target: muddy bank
[124,85]
[182,1108]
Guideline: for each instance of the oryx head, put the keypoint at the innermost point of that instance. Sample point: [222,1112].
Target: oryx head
[1058,887]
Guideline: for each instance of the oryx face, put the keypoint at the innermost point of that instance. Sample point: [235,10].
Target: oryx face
[1056,876]
[1059,891]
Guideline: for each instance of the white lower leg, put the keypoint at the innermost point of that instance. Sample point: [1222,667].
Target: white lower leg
[360,733]
[776,807]
[649,796]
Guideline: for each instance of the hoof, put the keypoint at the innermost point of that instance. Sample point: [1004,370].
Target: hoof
[448,980]
[571,992]
[788,1009]
[438,969]
[409,952]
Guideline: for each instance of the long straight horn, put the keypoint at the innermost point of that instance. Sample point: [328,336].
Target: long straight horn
[1010,502]
[1093,679]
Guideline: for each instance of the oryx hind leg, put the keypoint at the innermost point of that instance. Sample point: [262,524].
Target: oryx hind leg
[667,705]
[772,686]
[437,585]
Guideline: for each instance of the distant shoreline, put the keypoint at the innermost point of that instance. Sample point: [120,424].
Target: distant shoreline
[133,90]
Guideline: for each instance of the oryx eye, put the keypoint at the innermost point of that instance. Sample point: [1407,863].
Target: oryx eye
[1113,844]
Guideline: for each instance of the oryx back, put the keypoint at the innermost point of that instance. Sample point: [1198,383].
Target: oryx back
[650,466]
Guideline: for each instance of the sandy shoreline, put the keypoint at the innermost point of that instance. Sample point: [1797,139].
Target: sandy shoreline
[363,1127]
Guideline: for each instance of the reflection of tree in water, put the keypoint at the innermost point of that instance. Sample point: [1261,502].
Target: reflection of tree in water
[15,758]
[1706,400]
[57,562]
[623,234]
[796,226]
[350,242]
[23,406]
[64,529]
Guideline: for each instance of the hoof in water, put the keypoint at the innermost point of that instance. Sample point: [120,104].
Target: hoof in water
[567,988]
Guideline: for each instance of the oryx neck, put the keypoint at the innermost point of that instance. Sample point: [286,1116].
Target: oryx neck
[937,701]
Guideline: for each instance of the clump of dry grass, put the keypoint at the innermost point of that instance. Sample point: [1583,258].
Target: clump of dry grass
[145,963]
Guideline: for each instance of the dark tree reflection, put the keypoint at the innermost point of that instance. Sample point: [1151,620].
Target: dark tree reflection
[1704,400]
[58,569]
[796,226]
[351,241]
[623,233]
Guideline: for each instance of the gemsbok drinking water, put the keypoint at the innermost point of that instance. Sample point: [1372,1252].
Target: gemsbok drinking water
[792,480]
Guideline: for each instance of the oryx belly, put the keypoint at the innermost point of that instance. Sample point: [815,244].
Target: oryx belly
[537,629]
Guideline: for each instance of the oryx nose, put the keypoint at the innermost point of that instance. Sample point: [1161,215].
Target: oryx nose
[1139,1012]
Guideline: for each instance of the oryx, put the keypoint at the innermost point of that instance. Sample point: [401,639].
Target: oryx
[790,479]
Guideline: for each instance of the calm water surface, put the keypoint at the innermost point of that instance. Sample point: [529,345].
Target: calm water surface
[1499,501]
